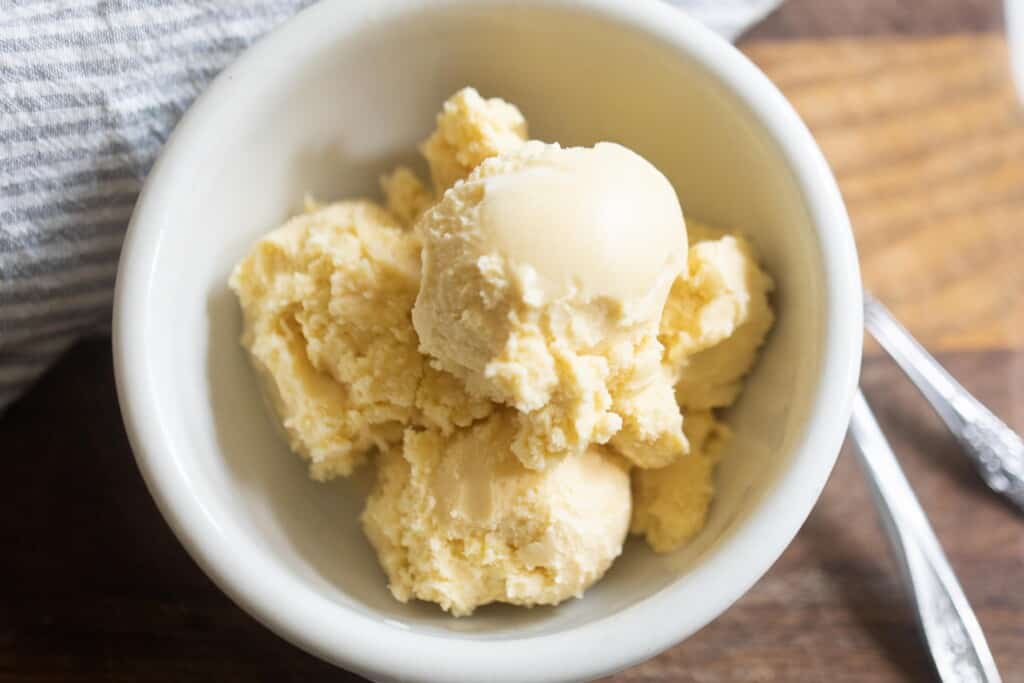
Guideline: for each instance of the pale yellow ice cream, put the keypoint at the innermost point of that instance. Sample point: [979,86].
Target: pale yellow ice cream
[469,130]
[405,195]
[652,432]
[670,504]
[326,301]
[459,521]
[716,318]
[560,332]
[544,276]
[327,297]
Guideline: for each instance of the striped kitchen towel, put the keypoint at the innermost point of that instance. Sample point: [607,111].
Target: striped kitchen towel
[89,91]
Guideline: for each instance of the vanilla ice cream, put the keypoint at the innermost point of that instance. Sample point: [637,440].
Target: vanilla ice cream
[326,301]
[525,347]
[715,319]
[459,521]
[544,276]
[405,195]
[670,504]
[469,130]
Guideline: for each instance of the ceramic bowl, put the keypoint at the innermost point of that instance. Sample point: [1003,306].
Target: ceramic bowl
[328,102]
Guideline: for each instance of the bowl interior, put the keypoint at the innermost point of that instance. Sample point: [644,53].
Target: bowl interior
[328,119]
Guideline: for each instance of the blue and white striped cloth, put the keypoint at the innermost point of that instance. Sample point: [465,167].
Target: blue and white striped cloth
[89,91]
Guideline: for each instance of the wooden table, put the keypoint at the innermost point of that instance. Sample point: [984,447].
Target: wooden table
[912,104]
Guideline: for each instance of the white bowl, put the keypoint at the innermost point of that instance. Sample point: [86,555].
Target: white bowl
[325,104]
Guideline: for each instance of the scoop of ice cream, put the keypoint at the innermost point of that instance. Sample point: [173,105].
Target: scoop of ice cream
[670,504]
[405,195]
[652,432]
[459,521]
[469,130]
[715,319]
[326,300]
[544,276]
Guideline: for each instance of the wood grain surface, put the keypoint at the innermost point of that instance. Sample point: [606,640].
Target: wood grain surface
[832,18]
[927,140]
[926,137]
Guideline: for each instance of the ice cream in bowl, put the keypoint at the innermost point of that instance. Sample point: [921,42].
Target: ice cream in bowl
[548,337]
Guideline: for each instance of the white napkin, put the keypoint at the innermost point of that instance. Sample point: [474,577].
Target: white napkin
[89,91]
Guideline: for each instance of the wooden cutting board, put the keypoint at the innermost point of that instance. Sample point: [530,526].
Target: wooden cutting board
[927,140]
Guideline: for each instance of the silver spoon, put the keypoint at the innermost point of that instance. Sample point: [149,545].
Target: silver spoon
[951,631]
[996,450]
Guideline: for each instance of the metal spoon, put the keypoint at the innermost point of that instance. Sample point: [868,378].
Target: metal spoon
[951,631]
[997,451]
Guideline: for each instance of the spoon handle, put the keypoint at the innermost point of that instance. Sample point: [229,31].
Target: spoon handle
[996,450]
[951,631]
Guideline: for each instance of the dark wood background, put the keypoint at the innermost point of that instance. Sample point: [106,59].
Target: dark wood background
[913,105]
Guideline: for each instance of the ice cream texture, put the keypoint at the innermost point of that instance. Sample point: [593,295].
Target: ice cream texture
[529,348]
[716,319]
[544,276]
[326,302]
[461,522]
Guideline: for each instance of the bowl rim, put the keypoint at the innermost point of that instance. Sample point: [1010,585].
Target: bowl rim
[368,646]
